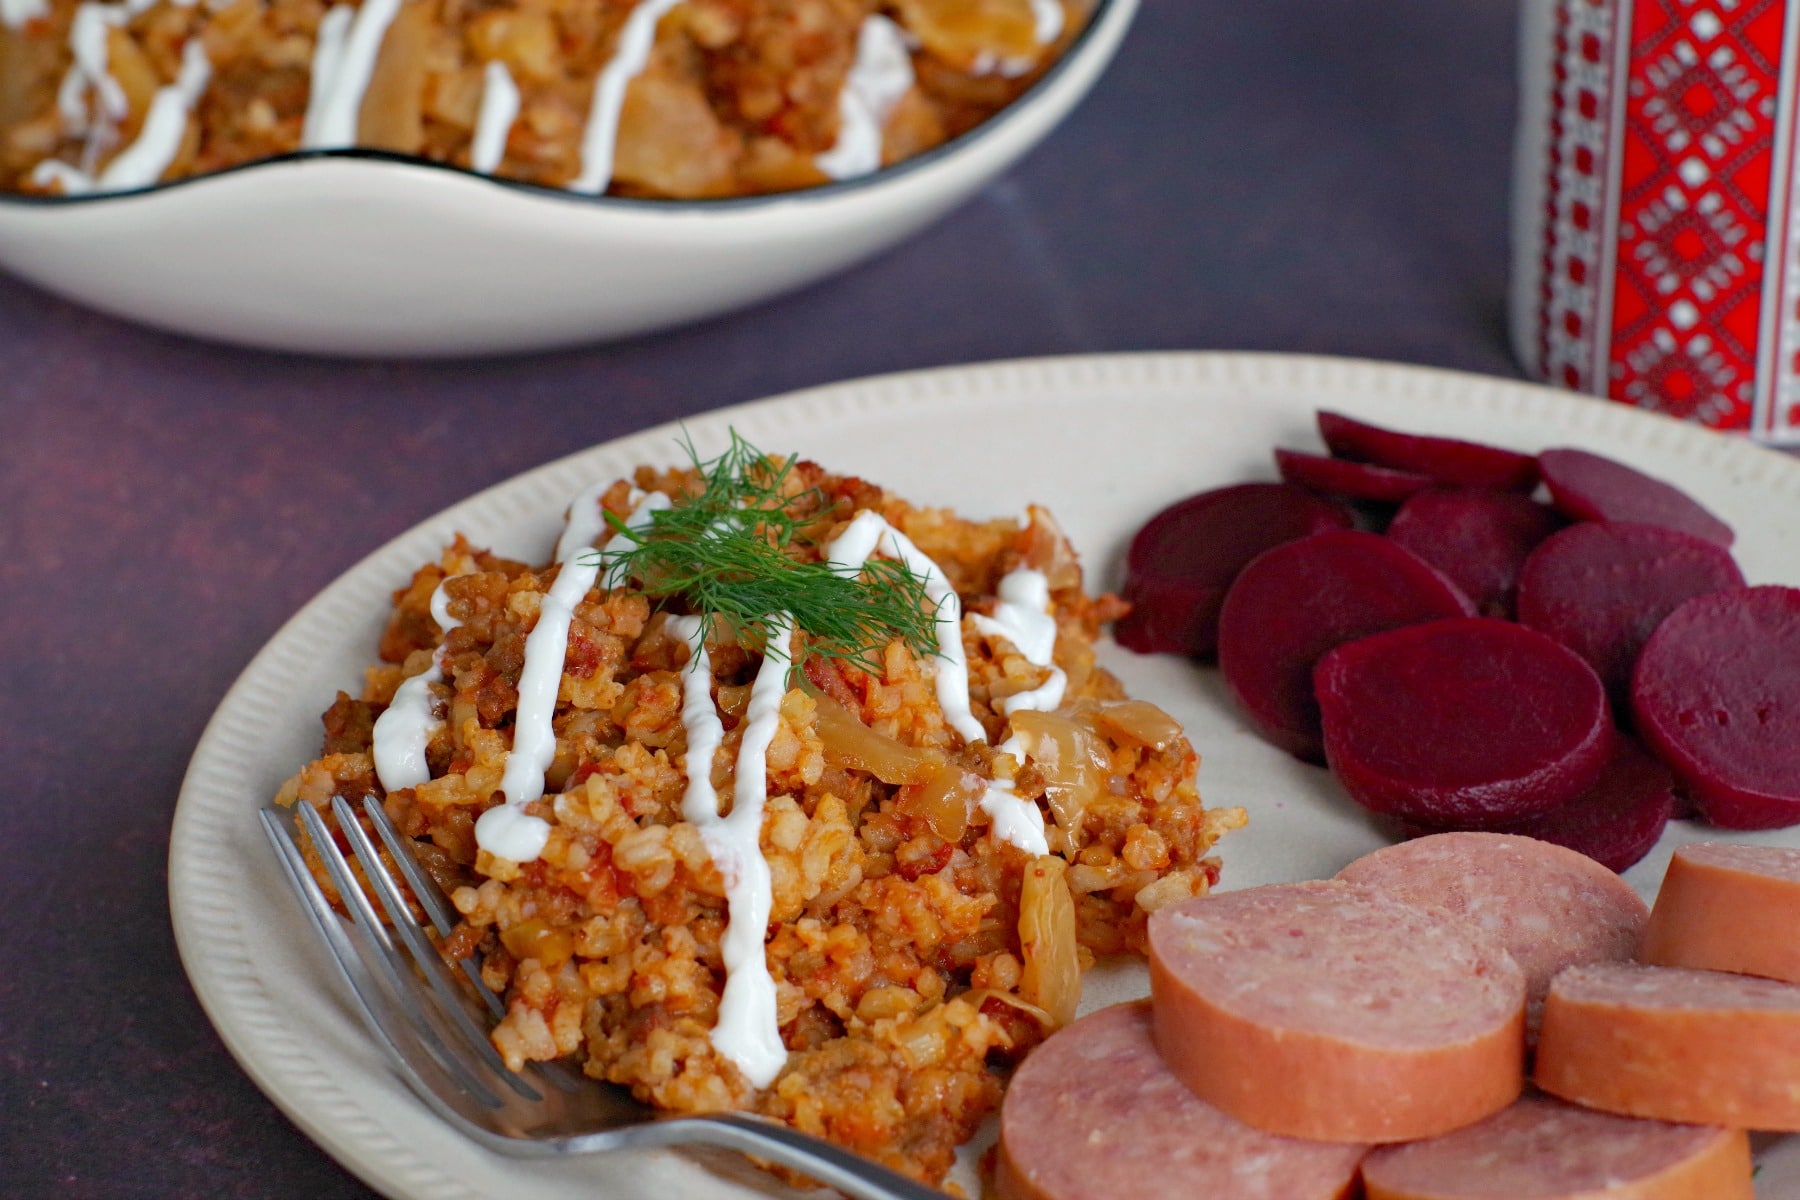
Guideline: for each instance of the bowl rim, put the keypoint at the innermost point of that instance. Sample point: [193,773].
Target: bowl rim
[1103,12]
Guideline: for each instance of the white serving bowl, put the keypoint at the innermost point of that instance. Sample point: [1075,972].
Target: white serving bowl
[358,253]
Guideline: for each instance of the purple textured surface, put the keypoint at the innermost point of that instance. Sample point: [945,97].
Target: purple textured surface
[1317,175]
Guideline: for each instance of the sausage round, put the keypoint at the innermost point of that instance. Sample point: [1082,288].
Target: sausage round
[1328,1011]
[1548,906]
[1094,1114]
[1674,1045]
[1543,1149]
[1729,908]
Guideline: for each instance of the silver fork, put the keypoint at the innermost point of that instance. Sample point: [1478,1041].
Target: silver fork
[436,1035]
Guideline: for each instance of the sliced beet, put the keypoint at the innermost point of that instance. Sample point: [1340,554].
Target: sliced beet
[1341,477]
[1297,601]
[1716,695]
[1602,587]
[1446,460]
[1479,537]
[1590,487]
[1462,722]
[1615,822]
[1185,557]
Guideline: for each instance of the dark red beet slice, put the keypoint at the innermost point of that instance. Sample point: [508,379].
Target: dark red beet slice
[1446,460]
[1463,722]
[1602,587]
[1340,477]
[1615,822]
[1297,601]
[1590,487]
[1716,695]
[1184,558]
[1477,536]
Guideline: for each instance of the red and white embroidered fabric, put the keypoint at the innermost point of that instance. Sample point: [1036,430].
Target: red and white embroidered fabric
[1660,263]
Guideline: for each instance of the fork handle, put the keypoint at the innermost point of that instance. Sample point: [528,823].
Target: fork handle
[851,1174]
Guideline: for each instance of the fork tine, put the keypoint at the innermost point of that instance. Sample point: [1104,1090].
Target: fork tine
[349,960]
[385,962]
[429,895]
[425,955]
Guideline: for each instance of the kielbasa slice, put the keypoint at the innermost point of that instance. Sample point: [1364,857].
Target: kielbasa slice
[1329,1011]
[1543,1149]
[1729,908]
[1549,907]
[1671,1044]
[1094,1114]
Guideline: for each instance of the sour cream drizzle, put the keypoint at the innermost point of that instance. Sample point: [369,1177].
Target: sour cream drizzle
[71,99]
[1023,618]
[870,532]
[143,162]
[499,109]
[404,729]
[343,61]
[748,1031]
[15,13]
[1012,818]
[506,830]
[88,34]
[90,72]
[880,77]
[600,139]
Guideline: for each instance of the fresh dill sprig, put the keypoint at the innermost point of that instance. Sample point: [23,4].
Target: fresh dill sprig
[727,551]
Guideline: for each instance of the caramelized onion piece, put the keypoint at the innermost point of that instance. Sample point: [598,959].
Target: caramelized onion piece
[1139,721]
[17,103]
[131,68]
[541,940]
[444,870]
[1070,758]
[1051,979]
[945,800]
[670,140]
[980,996]
[852,744]
[1047,549]
[393,108]
[967,34]
[522,39]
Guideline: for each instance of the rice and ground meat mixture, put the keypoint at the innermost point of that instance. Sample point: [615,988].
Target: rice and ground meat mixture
[937,876]
[661,98]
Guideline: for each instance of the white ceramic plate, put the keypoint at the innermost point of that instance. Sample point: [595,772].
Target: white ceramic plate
[369,254]
[1104,441]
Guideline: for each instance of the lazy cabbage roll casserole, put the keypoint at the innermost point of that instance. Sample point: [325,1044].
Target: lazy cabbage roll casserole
[770,791]
[661,98]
